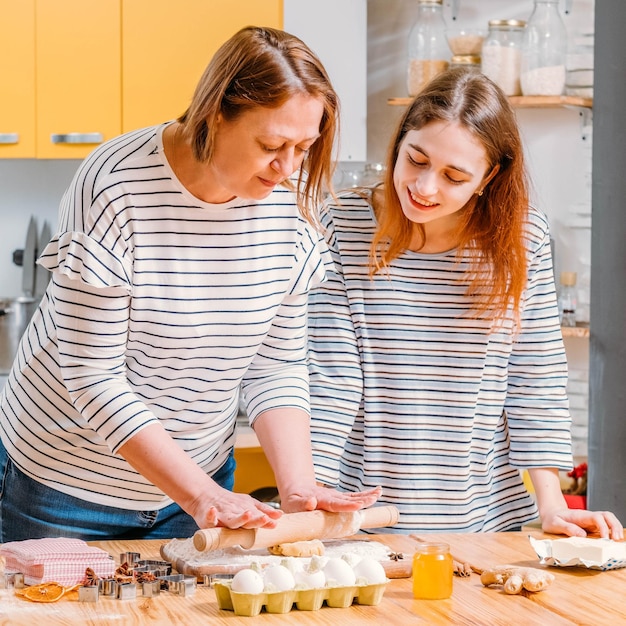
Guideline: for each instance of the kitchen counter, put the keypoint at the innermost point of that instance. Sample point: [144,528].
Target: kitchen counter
[577,596]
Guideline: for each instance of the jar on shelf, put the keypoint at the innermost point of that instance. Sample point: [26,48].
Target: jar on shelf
[544,51]
[428,50]
[468,61]
[567,299]
[501,55]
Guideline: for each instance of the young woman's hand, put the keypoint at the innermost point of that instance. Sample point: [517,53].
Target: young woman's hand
[580,522]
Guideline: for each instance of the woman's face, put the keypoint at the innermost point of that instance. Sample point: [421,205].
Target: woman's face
[262,147]
[438,169]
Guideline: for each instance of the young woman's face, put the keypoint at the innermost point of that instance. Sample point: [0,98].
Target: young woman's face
[438,169]
[262,147]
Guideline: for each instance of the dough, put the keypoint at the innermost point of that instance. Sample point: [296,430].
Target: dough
[298,548]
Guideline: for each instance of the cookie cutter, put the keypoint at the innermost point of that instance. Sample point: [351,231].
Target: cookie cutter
[88,593]
[151,588]
[107,586]
[130,558]
[10,580]
[179,584]
[208,580]
[158,568]
[126,591]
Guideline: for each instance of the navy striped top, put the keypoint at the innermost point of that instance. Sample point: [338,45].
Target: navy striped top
[411,391]
[161,307]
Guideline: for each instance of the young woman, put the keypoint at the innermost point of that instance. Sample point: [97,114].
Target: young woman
[436,359]
[179,275]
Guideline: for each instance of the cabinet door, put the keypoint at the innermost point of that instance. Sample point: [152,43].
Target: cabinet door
[78,75]
[165,50]
[17,79]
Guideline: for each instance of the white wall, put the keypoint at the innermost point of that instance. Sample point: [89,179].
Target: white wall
[336,30]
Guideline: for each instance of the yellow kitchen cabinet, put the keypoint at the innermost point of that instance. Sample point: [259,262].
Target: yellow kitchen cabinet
[17,79]
[253,470]
[78,76]
[165,51]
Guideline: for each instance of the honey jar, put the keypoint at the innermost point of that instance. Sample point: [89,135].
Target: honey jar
[433,570]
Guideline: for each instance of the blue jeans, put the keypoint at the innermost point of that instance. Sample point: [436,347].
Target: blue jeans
[31,510]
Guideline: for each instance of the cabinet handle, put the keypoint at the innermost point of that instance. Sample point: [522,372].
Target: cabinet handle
[76,138]
[9,138]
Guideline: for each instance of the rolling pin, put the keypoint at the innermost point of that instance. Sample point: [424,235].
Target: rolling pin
[297,527]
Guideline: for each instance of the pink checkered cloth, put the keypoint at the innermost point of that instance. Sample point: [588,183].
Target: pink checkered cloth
[58,559]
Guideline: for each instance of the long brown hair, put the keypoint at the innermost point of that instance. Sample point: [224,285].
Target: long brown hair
[264,67]
[492,224]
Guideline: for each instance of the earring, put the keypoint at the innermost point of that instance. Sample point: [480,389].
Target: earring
[480,193]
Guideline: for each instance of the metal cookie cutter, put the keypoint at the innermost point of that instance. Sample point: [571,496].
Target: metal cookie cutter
[208,580]
[107,586]
[126,591]
[88,593]
[151,588]
[180,584]
[129,557]
[158,568]
[10,580]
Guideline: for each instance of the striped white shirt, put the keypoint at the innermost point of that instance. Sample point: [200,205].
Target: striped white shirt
[411,392]
[161,307]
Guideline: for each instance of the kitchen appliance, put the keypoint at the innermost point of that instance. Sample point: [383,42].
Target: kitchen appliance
[15,313]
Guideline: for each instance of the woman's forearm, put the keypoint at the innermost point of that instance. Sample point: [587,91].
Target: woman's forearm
[547,487]
[286,441]
[157,457]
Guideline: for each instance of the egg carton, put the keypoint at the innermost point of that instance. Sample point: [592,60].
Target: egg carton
[251,604]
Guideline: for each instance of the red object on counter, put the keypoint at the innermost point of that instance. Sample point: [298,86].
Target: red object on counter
[575,501]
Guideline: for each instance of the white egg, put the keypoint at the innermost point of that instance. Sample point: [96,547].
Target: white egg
[311,577]
[339,573]
[278,578]
[370,570]
[247,581]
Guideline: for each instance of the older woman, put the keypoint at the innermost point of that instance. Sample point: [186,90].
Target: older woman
[180,273]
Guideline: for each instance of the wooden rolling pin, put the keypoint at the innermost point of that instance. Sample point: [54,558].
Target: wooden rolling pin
[297,527]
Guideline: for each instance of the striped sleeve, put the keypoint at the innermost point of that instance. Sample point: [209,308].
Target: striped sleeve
[536,402]
[336,380]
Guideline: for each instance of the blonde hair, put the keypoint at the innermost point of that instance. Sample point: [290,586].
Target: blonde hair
[492,224]
[264,67]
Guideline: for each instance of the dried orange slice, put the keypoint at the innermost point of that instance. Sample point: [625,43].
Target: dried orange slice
[46,592]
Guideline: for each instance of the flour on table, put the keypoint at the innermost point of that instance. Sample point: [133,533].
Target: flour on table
[184,550]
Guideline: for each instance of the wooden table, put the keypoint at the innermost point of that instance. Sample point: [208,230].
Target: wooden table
[577,596]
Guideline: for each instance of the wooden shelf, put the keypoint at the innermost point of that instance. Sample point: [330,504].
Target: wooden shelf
[525,102]
[580,330]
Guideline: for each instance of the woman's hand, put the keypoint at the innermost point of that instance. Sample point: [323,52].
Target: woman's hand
[579,522]
[325,499]
[224,508]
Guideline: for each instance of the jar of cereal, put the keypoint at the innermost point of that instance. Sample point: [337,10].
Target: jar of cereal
[428,50]
[544,51]
[502,53]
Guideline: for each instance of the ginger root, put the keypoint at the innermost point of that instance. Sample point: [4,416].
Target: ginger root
[515,579]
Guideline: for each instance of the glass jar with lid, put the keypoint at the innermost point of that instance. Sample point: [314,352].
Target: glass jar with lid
[468,61]
[544,51]
[433,569]
[501,54]
[428,50]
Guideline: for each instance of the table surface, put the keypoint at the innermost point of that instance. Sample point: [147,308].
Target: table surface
[577,596]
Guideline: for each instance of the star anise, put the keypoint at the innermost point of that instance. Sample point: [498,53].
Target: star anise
[396,556]
[91,578]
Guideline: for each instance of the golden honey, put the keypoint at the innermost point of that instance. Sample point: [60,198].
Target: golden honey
[433,571]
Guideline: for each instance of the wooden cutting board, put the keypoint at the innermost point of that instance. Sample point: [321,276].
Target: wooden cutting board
[187,560]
